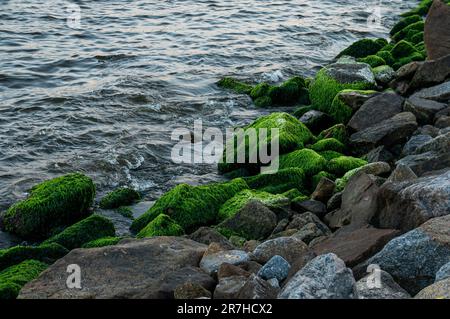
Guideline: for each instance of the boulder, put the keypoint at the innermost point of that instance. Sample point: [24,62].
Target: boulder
[355,98]
[191,290]
[432,72]
[414,143]
[402,173]
[229,287]
[414,258]
[324,190]
[438,93]
[443,272]
[316,121]
[407,205]
[427,130]
[309,232]
[388,132]
[442,122]
[426,162]
[137,266]
[229,270]
[277,267]
[211,262]
[300,221]
[287,247]
[438,290]
[334,202]
[257,288]
[310,205]
[385,288]
[436,35]
[380,154]
[384,74]
[207,235]
[324,277]
[375,110]
[423,109]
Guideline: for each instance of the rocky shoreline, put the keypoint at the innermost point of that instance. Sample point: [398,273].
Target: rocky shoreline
[359,209]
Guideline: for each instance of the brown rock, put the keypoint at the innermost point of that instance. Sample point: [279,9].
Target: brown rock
[432,72]
[300,262]
[207,235]
[228,270]
[324,190]
[257,288]
[229,287]
[437,34]
[191,290]
[287,247]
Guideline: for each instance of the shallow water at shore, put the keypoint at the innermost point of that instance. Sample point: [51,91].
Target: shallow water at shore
[105,98]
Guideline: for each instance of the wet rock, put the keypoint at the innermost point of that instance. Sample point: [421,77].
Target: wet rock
[335,202]
[355,246]
[385,288]
[287,247]
[191,290]
[136,266]
[402,173]
[375,110]
[380,154]
[384,74]
[229,270]
[403,77]
[440,144]
[257,288]
[438,290]
[310,205]
[439,93]
[426,162]
[423,109]
[281,226]
[388,132]
[207,235]
[277,267]
[409,204]
[212,262]
[301,221]
[427,130]
[316,121]
[346,71]
[436,35]
[229,287]
[324,277]
[414,258]
[443,272]
[432,72]
[355,98]
[414,143]
[324,190]
[309,232]
[442,121]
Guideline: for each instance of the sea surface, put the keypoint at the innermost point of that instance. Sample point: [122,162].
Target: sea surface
[99,86]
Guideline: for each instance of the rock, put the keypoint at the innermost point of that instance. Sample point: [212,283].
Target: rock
[335,202]
[324,277]
[355,246]
[436,36]
[438,290]
[287,247]
[277,267]
[229,270]
[281,226]
[379,154]
[414,258]
[403,77]
[301,221]
[402,173]
[250,245]
[257,288]
[386,288]
[438,93]
[439,144]
[409,204]
[250,266]
[443,272]
[414,143]
[309,232]
[359,203]
[426,161]
[212,262]
[423,109]
[324,190]
[427,130]
[442,122]
[214,248]
[229,287]
[207,235]
[388,132]
[284,233]
[300,263]
[384,74]
[191,290]
[316,121]
[375,110]
[137,267]
[274,283]
[356,98]
[376,169]
[310,205]
[432,72]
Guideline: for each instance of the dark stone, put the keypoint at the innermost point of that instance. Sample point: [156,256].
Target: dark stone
[335,202]
[257,288]
[423,109]
[313,206]
[207,235]
[324,190]
[436,35]
[432,72]
[316,121]
[438,93]
[380,154]
[414,143]
[287,247]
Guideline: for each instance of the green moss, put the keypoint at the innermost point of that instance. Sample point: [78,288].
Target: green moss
[293,193]
[403,23]
[342,182]
[289,92]
[328,144]
[373,60]
[260,90]
[279,182]
[411,29]
[235,85]
[45,253]
[387,57]
[233,205]
[52,204]
[102,242]
[300,199]
[341,165]
[300,111]
[123,196]
[337,131]
[403,49]
[362,48]
[89,229]
[12,279]
[306,159]
[416,56]
[125,212]
[191,206]
[381,69]
[263,101]
[421,10]
[340,111]
[162,225]
[236,240]
[292,134]
[316,178]
[415,38]
[329,155]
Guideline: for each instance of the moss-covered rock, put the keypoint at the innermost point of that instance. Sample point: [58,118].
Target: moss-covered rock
[306,159]
[410,30]
[12,279]
[44,253]
[362,48]
[233,205]
[421,10]
[102,242]
[316,178]
[279,182]
[338,131]
[263,101]
[162,225]
[234,85]
[301,110]
[260,90]
[125,211]
[89,229]
[191,206]
[329,155]
[289,92]
[339,110]
[387,57]
[122,196]
[292,134]
[51,205]
[328,144]
[341,165]
[292,193]
[373,60]
[416,56]
[415,38]
[403,23]
[403,49]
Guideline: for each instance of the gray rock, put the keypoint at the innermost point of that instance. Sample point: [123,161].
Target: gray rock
[379,154]
[274,283]
[438,290]
[402,173]
[310,205]
[443,272]
[442,121]
[207,235]
[287,247]
[335,202]
[211,263]
[257,288]
[439,93]
[388,132]
[436,36]
[324,277]
[385,76]
[356,98]
[432,72]
[190,290]
[409,204]
[277,267]
[379,285]
[316,121]
[439,144]
[229,287]
[423,109]
[301,222]
[282,224]
[414,143]
[426,162]
[346,72]
[375,110]
[427,130]
[309,232]
[414,258]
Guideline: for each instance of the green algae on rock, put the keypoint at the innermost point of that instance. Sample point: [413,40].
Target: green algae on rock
[278,182]
[122,196]
[306,159]
[102,242]
[89,229]
[341,165]
[387,57]
[338,131]
[403,23]
[362,48]
[191,206]
[162,225]
[51,205]
[12,279]
[329,155]
[409,31]
[235,85]
[328,144]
